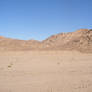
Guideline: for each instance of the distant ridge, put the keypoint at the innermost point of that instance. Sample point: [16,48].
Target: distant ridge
[80,40]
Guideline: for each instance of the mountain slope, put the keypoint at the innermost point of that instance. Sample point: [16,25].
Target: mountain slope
[79,40]
[14,44]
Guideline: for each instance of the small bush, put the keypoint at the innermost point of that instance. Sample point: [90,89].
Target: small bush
[9,66]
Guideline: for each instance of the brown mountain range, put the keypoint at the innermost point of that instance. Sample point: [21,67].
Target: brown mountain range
[80,40]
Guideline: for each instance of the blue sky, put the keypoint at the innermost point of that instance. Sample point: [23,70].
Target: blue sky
[38,19]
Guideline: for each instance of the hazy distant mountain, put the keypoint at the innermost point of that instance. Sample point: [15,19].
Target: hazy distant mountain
[79,40]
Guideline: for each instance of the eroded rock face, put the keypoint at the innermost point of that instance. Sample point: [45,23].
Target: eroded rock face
[79,40]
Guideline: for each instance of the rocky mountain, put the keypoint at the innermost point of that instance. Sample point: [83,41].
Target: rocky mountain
[80,40]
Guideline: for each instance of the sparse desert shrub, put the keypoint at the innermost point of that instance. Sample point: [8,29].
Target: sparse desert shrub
[9,66]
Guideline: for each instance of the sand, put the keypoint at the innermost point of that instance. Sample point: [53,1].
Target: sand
[45,71]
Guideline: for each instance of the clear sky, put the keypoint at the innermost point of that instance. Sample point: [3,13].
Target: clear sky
[38,19]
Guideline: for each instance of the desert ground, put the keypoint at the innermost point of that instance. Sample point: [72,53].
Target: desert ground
[45,71]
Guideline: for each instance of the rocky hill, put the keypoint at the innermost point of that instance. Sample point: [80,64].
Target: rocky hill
[15,44]
[80,40]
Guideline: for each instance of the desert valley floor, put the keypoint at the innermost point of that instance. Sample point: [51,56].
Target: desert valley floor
[45,71]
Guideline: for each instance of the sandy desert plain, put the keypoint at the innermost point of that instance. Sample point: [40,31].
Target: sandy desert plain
[45,71]
[61,63]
